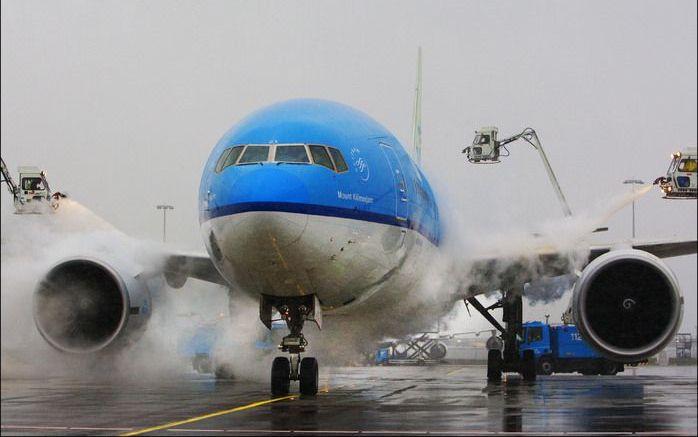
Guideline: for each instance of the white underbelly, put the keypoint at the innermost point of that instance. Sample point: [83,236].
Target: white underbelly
[345,262]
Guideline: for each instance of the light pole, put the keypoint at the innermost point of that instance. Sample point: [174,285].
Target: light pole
[164,209]
[634,182]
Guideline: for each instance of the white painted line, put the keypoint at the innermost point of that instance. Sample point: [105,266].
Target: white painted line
[362,432]
[61,428]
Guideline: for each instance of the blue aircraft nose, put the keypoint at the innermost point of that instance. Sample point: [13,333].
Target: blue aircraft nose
[263,183]
[260,220]
[256,205]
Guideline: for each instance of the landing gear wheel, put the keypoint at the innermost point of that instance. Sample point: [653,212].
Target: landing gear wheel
[528,366]
[545,366]
[494,365]
[280,376]
[308,376]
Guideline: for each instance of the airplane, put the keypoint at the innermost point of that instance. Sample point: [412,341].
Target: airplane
[318,210]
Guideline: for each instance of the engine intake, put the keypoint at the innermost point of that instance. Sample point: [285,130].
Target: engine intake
[83,305]
[627,304]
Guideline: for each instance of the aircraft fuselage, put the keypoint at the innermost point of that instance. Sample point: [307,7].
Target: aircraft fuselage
[282,219]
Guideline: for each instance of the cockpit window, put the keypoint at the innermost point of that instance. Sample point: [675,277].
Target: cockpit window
[688,165]
[221,160]
[338,160]
[228,157]
[294,153]
[254,154]
[320,156]
[234,155]
[325,156]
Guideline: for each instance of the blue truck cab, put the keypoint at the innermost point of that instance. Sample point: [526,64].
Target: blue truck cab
[199,344]
[561,349]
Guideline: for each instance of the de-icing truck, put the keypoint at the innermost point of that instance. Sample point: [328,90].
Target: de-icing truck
[680,179]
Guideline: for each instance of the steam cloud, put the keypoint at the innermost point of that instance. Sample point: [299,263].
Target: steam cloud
[32,243]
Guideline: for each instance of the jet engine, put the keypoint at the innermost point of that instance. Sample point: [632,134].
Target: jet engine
[627,305]
[85,305]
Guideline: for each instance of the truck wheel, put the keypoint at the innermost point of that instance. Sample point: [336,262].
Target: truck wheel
[545,366]
[609,368]
[223,371]
[494,365]
[438,351]
[528,366]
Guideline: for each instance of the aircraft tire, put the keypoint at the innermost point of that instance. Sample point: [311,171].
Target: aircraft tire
[309,376]
[494,365]
[280,376]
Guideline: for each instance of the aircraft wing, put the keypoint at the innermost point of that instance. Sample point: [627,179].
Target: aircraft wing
[660,249]
[507,272]
[483,275]
[179,267]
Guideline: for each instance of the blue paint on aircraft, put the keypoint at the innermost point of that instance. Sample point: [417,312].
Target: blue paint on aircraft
[382,183]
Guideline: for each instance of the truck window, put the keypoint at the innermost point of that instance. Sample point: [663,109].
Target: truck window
[481,139]
[688,165]
[534,335]
[32,184]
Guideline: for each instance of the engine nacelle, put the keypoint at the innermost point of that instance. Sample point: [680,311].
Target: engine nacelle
[627,305]
[85,305]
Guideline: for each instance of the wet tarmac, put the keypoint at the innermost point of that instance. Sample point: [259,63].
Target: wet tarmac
[435,400]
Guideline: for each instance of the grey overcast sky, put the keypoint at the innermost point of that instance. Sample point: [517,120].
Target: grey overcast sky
[122,101]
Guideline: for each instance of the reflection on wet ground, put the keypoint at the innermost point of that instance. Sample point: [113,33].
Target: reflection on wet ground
[373,400]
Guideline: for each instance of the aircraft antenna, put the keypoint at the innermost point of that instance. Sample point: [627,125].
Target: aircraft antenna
[417,121]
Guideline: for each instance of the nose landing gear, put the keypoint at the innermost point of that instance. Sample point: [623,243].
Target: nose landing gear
[294,311]
[282,372]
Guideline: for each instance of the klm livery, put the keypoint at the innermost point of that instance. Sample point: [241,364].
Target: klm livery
[304,191]
[315,209]
[320,158]
[314,206]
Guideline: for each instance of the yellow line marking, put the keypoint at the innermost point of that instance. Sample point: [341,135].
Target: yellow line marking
[456,370]
[207,416]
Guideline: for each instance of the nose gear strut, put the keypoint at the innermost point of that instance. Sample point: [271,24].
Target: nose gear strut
[294,311]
